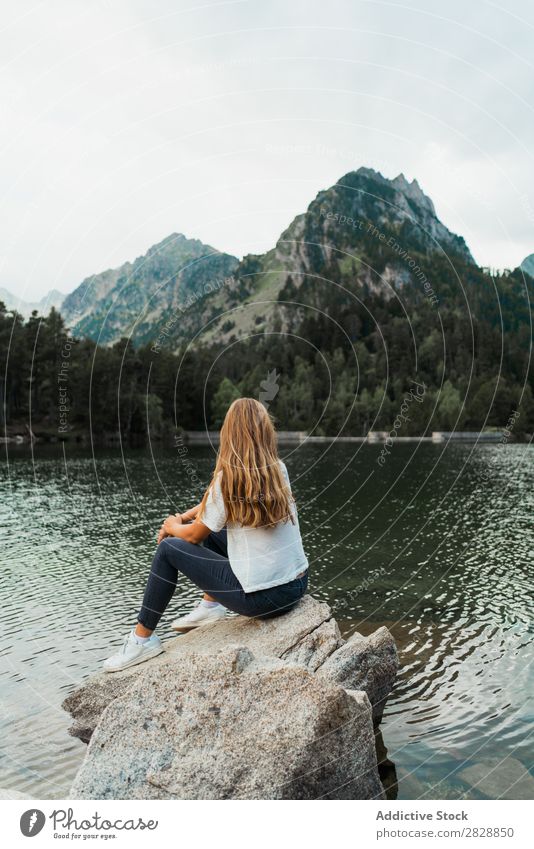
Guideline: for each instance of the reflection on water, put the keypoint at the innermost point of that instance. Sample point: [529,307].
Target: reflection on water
[437,545]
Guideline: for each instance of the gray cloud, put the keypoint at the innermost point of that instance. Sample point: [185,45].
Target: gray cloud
[125,121]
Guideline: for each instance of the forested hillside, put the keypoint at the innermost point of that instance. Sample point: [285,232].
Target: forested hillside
[365,296]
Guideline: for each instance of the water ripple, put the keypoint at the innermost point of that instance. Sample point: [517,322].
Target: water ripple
[438,547]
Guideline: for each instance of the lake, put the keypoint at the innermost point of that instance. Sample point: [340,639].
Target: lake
[436,543]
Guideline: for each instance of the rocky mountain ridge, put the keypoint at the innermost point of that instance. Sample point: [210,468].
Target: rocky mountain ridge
[134,299]
[53,298]
[341,238]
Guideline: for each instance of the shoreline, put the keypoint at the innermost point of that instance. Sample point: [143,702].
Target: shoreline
[207,438]
[374,437]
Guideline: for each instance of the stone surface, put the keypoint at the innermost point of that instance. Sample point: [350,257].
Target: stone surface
[283,636]
[241,708]
[232,726]
[314,648]
[365,663]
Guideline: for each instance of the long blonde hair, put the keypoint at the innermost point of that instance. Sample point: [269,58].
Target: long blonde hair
[254,489]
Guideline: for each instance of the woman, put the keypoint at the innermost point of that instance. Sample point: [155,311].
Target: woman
[255,567]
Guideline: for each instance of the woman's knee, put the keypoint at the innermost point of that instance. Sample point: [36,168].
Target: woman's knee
[172,544]
[167,554]
[175,552]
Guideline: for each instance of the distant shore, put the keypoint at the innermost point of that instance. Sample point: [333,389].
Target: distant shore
[373,437]
[24,435]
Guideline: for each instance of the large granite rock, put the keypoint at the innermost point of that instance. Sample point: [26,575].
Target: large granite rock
[243,708]
[232,726]
[365,663]
[308,633]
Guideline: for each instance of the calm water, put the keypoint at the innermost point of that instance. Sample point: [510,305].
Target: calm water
[437,544]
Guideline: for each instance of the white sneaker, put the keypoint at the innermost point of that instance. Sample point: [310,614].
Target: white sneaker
[133,653]
[201,615]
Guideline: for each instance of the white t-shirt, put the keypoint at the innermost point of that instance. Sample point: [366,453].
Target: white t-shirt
[259,557]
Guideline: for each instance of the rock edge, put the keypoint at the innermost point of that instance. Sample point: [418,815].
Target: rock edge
[285,709]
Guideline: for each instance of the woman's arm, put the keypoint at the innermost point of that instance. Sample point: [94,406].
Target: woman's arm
[190,514]
[194,532]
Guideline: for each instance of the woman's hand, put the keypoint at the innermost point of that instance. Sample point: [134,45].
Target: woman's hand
[168,526]
[170,523]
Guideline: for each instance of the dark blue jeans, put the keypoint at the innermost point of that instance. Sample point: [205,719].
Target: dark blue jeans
[208,567]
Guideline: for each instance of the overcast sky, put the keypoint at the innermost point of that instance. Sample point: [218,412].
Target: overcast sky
[123,121]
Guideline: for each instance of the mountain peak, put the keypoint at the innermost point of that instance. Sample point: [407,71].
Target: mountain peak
[367,195]
[364,171]
[177,241]
[363,215]
[414,191]
[131,297]
[53,298]
[399,184]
